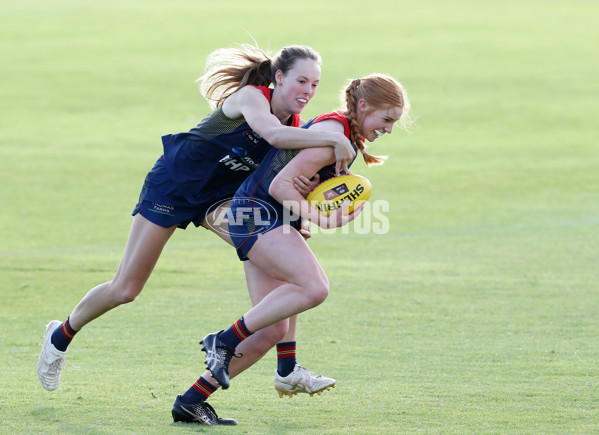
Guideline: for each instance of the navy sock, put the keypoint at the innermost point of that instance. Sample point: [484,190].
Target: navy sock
[286,358]
[198,392]
[236,333]
[62,336]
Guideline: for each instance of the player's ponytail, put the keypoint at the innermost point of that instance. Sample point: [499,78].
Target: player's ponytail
[229,69]
[351,101]
[379,91]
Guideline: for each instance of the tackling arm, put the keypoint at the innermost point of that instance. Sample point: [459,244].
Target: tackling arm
[251,104]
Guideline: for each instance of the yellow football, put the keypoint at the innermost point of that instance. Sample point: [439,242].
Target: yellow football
[330,194]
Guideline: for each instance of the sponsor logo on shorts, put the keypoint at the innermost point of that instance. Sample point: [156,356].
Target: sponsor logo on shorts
[163,209]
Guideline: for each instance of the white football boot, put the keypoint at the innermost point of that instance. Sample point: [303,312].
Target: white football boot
[51,360]
[301,380]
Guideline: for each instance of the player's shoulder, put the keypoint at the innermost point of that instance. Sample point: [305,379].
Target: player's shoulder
[338,115]
[247,96]
[335,121]
[253,92]
[330,124]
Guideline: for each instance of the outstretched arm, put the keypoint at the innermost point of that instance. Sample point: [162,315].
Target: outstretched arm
[251,104]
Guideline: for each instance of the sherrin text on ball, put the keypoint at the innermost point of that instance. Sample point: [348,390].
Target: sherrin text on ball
[330,194]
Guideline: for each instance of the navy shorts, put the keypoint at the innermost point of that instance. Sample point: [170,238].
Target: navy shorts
[162,204]
[248,218]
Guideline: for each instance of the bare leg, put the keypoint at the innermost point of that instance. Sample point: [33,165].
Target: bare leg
[258,284]
[262,286]
[258,344]
[144,246]
[304,283]
[291,333]
[217,224]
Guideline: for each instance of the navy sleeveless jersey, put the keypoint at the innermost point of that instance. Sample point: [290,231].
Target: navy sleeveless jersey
[210,162]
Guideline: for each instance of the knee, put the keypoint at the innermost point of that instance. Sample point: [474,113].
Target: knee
[125,292]
[318,290]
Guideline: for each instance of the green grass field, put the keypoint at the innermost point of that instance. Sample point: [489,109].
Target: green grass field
[476,313]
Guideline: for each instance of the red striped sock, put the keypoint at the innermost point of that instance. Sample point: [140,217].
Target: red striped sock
[286,359]
[199,391]
[62,336]
[235,334]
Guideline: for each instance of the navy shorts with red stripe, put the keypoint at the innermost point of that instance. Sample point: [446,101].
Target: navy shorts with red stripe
[162,204]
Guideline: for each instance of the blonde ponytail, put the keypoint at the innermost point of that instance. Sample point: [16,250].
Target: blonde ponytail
[229,69]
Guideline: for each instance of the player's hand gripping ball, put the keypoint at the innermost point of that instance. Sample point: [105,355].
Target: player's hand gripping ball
[330,194]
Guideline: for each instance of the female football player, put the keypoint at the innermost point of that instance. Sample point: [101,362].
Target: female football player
[283,275]
[204,166]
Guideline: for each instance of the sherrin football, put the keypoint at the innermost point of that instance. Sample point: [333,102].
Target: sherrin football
[330,194]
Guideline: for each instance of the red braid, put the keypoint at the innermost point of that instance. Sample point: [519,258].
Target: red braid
[351,101]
